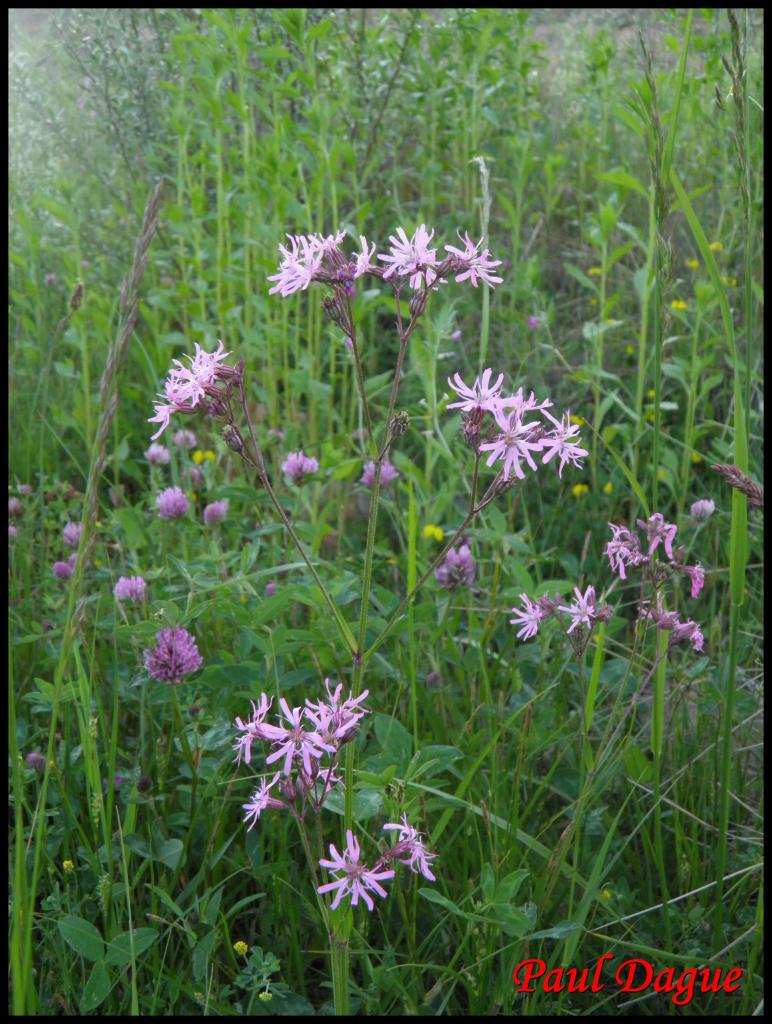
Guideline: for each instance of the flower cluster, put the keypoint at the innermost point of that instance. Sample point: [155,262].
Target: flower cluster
[304,744]
[172,503]
[516,438]
[158,455]
[679,631]
[174,656]
[216,512]
[355,880]
[63,570]
[71,534]
[457,569]
[297,466]
[308,258]
[388,473]
[130,588]
[584,611]
[624,550]
[187,387]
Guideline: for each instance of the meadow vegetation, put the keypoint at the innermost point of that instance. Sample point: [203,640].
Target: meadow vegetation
[551,673]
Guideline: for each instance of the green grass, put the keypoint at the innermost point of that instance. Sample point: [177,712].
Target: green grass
[607,803]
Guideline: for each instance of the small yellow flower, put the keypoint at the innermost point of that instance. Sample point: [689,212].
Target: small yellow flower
[650,415]
[266,996]
[432,532]
[696,457]
[198,457]
[577,421]
[608,487]
[692,264]
[391,561]
[678,304]
[606,894]
[243,598]
[730,282]
[630,350]
[661,474]
[579,489]
[716,247]
[595,271]
[652,393]
[241,947]
[593,302]
[97,522]
[209,455]
[68,867]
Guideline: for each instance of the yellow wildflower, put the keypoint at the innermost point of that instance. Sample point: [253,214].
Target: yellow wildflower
[241,947]
[432,532]
[730,282]
[243,598]
[579,489]
[595,271]
[605,894]
[716,247]
[678,304]
[198,457]
[652,393]
[68,867]
[593,302]
[650,415]
[630,350]
[209,455]
[608,487]
[696,457]
[661,474]
[692,264]
[577,421]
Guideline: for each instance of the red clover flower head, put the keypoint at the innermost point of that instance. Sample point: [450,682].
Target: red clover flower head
[184,439]
[297,466]
[172,503]
[702,509]
[15,508]
[12,532]
[353,879]
[62,570]
[36,760]
[71,534]
[174,656]
[457,569]
[158,455]
[216,512]
[388,473]
[130,588]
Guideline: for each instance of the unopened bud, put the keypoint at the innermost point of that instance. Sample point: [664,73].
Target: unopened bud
[77,297]
[400,424]
[232,437]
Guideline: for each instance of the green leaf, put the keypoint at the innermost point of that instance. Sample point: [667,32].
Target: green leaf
[559,931]
[625,180]
[119,948]
[97,988]
[82,936]
[436,897]
[170,853]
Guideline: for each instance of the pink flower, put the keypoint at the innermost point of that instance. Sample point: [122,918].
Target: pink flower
[582,610]
[130,588]
[172,503]
[409,849]
[12,532]
[623,550]
[297,466]
[216,512]
[25,489]
[697,576]
[412,258]
[260,800]
[481,396]
[534,321]
[364,258]
[528,618]
[62,570]
[388,474]
[700,510]
[558,442]
[472,264]
[184,439]
[354,879]
[157,455]
[174,656]
[187,386]
[15,508]
[251,728]
[657,530]
[457,569]
[299,263]
[71,534]
[515,442]
[336,720]
[270,588]
[293,741]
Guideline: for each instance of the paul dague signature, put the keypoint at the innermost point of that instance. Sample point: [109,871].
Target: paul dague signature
[634,975]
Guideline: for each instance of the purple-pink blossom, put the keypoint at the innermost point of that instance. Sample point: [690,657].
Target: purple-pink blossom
[172,503]
[175,655]
[658,531]
[534,321]
[130,588]
[560,442]
[411,258]
[187,386]
[15,508]
[457,569]
[62,570]
[250,728]
[696,575]
[515,442]
[388,473]
[36,760]
[292,741]
[158,455]
[297,466]
[582,611]
[216,512]
[624,550]
[184,439]
[71,534]
[481,397]
[528,617]
[353,879]
[409,849]
[12,532]
[261,799]
[702,509]
[471,264]
[270,588]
